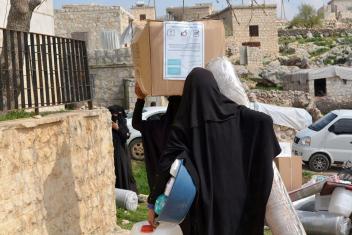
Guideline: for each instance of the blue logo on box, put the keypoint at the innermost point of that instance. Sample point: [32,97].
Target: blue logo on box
[174,67]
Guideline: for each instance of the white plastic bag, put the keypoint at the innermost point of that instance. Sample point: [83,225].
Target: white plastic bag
[228,82]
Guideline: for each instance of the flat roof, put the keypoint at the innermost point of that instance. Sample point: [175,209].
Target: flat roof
[197,6]
[239,7]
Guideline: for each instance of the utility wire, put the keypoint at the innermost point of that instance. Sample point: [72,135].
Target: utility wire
[233,11]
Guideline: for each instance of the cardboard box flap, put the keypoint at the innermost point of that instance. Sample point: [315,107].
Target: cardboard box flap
[141,54]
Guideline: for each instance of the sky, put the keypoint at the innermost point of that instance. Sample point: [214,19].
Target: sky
[291,6]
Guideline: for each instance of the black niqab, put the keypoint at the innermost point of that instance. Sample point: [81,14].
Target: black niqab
[228,150]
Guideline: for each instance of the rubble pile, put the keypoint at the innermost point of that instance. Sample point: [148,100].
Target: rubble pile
[324,204]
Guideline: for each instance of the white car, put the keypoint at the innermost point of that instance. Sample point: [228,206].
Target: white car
[134,143]
[327,141]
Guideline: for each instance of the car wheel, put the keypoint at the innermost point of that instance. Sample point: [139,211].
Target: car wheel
[136,149]
[319,162]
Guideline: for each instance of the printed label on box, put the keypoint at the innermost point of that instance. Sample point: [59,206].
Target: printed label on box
[183,48]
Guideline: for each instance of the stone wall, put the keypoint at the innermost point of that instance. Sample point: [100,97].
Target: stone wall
[296,84]
[109,68]
[148,11]
[298,99]
[338,88]
[91,20]
[316,32]
[131,98]
[57,175]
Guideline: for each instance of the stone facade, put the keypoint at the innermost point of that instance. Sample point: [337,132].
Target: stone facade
[338,92]
[113,77]
[255,26]
[196,12]
[91,23]
[57,175]
[108,69]
[142,12]
[131,98]
[337,10]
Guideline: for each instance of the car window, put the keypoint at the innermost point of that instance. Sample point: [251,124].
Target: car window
[155,117]
[343,126]
[323,122]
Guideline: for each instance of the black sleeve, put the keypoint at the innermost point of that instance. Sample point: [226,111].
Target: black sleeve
[137,121]
[123,131]
[176,148]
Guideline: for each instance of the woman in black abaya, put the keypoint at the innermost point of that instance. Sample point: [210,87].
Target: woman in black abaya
[120,134]
[228,150]
[154,132]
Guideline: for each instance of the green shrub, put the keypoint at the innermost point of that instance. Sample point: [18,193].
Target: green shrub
[307,17]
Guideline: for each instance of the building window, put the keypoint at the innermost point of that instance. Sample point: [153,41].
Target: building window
[320,87]
[142,17]
[254,31]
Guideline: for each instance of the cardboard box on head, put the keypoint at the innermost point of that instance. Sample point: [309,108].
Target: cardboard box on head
[165,52]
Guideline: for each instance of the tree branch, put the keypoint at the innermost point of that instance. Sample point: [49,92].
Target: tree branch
[34,4]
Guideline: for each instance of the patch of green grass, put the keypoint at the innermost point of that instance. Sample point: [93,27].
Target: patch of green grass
[267,232]
[12,115]
[307,175]
[140,175]
[268,88]
[132,216]
[319,52]
[19,114]
[286,40]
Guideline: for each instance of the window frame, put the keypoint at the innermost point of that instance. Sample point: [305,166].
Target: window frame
[347,132]
[254,30]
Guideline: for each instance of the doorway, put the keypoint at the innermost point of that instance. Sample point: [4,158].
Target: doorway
[320,87]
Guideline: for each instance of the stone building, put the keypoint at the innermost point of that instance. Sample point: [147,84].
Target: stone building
[196,12]
[331,86]
[142,12]
[101,26]
[337,10]
[253,26]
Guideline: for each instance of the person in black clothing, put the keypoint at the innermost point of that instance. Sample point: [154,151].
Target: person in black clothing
[122,161]
[228,150]
[154,132]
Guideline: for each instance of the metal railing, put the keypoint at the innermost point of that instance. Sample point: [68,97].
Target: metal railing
[39,70]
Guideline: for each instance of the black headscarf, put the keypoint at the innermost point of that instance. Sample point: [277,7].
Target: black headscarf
[228,150]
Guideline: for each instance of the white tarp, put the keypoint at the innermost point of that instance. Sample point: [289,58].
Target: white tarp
[294,118]
[326,72]
[231,86]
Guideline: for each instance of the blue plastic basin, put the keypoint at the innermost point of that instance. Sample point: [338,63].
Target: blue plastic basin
[180,199]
